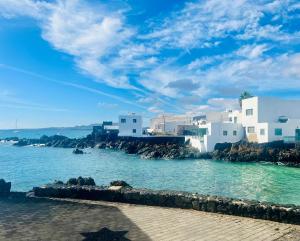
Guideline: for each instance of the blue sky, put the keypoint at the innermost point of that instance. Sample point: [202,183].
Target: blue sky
[65,63]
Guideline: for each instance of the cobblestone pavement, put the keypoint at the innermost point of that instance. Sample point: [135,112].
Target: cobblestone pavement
[45,219]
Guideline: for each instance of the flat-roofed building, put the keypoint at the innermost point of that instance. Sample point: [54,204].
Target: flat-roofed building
[131,125]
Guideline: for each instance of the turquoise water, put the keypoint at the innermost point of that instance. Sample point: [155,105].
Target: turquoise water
[29,166]
[37,133]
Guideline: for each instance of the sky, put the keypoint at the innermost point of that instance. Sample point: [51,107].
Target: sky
[75,62]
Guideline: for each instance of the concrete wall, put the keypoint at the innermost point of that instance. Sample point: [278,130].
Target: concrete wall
[168,123]
[262,138]
[266,112]
[235,116]
[288,130]
[171,127]
[251,103]
[271,108]
[215,134]
[126,129]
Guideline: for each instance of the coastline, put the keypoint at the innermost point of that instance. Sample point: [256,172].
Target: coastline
[278,152]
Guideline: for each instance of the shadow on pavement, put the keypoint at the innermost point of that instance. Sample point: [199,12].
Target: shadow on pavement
[44,219]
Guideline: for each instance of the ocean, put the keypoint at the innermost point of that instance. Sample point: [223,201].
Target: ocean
[37,133]
[31,166]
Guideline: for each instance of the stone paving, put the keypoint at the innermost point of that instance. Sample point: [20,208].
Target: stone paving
[45,219]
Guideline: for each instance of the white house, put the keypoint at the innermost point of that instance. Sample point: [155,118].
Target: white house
[267,119]
[261,120]
[130,125]
[216,130]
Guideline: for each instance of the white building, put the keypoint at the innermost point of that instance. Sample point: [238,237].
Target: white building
[262,119]
[268,119]
[167,124]
[216,128]
[130,125]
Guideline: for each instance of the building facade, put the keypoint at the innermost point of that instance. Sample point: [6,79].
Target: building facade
[168,124]
[131,125]
[268,119]
[261,120]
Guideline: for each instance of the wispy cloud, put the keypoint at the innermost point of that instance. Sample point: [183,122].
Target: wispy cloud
[105,105]
[205,49]
[73,85]
[88,33]
[10,100]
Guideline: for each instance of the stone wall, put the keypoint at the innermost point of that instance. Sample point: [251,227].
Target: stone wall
[253,209]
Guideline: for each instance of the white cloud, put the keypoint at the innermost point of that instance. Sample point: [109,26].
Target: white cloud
[233,46]
[212,104]
[200,22]
[154,109]
[252,51]
[87,33]
[15,8]
[105,105]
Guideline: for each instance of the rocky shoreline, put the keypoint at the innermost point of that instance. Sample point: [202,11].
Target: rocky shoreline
[278,152]
[154,148]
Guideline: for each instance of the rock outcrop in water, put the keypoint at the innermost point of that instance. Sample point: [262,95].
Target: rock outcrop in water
[4,188]
[276,152]
[57,141]
[149,150]
[120,183]
[80,181]
[78,151]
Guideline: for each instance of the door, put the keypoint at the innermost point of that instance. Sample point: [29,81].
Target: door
[297,135]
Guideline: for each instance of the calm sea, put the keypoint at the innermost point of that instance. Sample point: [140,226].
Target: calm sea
[30,166]
[37,133]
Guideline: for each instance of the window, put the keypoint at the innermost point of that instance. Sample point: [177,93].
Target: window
[249,112]
[278,132]
[251,129]
[235,119]
[234,133]
[230,119]
[133,130]
[134,120]
[123,120]
[225,133]
[262,132]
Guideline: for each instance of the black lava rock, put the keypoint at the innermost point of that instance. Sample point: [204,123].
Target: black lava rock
[120,183]
[78,151]
[81,181]
[4,188]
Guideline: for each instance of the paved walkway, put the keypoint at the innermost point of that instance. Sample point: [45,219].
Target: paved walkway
[57,220]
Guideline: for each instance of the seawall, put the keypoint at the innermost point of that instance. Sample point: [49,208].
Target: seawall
[253,209]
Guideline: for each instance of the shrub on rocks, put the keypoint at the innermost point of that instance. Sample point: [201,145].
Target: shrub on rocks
[4,188]
[120,183]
